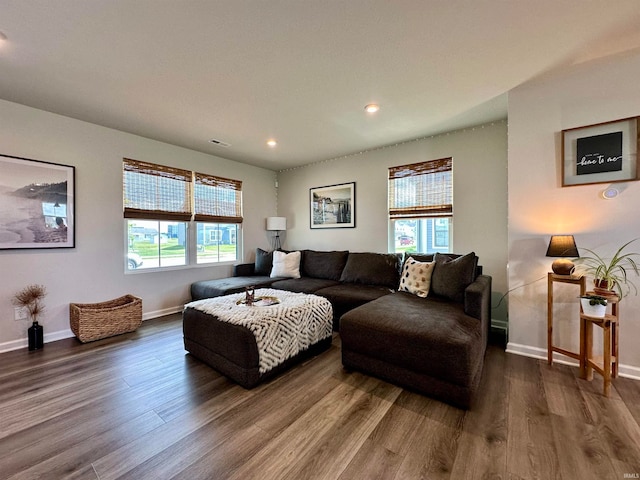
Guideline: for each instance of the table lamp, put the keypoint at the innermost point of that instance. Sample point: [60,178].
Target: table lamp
[562,246]
[276,224]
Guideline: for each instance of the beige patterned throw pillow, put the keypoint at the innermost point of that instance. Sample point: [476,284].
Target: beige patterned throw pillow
[416,277]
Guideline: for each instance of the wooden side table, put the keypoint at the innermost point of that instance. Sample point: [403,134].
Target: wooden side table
[607,366]
[551,279]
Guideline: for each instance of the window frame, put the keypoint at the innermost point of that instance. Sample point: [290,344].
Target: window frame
[435,201]
[191,209]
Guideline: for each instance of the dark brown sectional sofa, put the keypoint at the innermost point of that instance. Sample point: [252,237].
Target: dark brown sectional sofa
[433,345]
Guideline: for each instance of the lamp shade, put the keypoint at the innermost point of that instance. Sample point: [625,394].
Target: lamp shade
[277,223]
[562,246]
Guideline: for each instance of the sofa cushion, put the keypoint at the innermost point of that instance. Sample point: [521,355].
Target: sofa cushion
[421,257]
[328,265]
[416,277]
[264,262]
[452,274]
[303,284]
[347,296]
[372,269]
[286,264]
[225,286]
[432,336]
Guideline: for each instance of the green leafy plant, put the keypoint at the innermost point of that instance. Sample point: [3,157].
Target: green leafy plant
[613,272]
[595,299]
[30,298]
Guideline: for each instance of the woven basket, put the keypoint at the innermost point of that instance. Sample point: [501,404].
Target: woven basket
[93,321]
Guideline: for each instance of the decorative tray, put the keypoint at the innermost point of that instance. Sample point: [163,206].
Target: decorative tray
[265,301]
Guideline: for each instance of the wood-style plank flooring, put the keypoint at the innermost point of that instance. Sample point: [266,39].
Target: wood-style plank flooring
[138,407]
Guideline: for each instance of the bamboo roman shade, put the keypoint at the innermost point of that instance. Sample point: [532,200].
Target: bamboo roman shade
[158,192]
[217,199]
[422,189]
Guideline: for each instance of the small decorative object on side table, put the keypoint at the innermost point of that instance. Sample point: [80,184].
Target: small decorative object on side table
[562,246]
[593,305]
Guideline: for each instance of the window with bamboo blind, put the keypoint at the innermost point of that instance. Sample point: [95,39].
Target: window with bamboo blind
[217,199]
[421,205]
[156,192]
[159,204]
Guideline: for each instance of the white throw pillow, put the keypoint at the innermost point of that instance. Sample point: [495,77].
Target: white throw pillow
[286,264]
[416,277]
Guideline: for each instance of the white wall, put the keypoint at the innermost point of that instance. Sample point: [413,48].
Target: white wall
[590,93]
[480,196]
[94,270]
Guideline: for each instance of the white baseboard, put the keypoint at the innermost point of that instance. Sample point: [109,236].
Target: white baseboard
[162,312]
[67,333]
[499,324]
[627,371]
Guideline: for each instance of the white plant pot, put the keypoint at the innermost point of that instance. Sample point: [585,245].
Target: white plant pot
[597,311]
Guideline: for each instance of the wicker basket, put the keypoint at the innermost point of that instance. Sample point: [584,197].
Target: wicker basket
[93,321]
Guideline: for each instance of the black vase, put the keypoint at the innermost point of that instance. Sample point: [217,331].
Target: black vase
[36,336]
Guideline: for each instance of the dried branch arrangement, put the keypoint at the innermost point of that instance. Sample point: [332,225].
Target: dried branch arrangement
[31,298]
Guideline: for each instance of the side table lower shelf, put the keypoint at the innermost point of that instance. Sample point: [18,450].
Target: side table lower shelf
[606,364]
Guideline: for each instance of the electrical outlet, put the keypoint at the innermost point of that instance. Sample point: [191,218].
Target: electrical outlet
[20,313]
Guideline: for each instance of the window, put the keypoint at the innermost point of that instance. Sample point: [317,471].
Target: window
[155,244]
[421,206]
[162,203]
[218,212]
[217,242]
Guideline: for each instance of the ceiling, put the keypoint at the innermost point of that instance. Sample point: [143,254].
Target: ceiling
[300,71]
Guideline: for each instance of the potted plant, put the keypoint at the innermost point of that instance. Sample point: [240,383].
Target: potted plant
[593,305]
[611,276]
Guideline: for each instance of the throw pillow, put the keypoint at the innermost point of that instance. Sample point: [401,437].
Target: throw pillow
[286,264]
[372,269]
[452,275]
[264,262]
[327,265]
[416,277]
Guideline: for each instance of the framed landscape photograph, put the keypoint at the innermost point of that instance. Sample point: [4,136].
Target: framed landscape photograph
[333,206]
[36,204]
[601,153]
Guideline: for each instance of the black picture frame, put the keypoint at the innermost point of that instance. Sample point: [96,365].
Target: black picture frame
[37,204]
[333,206]
[601,153]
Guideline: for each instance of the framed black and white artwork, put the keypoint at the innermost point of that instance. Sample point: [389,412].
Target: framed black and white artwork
[37,204]
[333,206]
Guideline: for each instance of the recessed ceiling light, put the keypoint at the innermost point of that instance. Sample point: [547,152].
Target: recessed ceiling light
[372,108]
[272,143]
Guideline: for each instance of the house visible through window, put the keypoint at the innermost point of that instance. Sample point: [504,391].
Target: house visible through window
[163,204]
[421,206]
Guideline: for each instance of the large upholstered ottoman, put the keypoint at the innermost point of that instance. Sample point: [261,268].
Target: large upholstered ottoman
[249,344]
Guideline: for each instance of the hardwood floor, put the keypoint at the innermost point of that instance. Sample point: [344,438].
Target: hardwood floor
[138,407]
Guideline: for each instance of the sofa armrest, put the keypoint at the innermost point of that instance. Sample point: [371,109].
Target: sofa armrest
[477,300]
[244,270]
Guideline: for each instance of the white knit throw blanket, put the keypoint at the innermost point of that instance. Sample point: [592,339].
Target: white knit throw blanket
[282,330]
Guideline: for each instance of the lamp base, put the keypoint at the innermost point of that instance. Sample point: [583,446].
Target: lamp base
[562,266]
